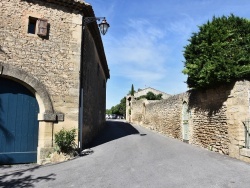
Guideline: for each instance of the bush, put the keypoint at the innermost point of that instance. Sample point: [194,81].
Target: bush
[65,140]
[150,96]
[219,53]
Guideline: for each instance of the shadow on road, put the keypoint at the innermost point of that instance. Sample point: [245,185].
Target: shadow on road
[18,178]
[114,130]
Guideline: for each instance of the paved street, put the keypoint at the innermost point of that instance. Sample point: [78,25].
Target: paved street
[127,156]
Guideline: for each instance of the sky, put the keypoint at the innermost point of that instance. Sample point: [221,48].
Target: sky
[145,42]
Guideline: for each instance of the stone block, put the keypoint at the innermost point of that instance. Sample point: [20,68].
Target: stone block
[47,117]
[245,152]
[60,116]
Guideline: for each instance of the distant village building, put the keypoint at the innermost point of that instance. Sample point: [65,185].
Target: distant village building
[139,93]
[52,76]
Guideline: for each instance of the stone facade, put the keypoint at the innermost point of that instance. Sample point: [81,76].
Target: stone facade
[50,66]
[149,89]
[139,93]
[213,118]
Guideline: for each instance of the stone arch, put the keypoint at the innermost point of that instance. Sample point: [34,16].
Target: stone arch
[42,96]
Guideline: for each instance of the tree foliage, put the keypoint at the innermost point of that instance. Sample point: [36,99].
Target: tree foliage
[132,91]
[151,96]
[119,109]
[219,53]
[65,140]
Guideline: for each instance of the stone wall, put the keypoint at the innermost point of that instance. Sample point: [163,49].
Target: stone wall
[163,116]
[94,87]
[214,117]
[53,63]
[208,119]
[53,60]
[146,90]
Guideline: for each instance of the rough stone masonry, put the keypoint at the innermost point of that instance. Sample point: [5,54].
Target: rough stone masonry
[213,120]
[50,65]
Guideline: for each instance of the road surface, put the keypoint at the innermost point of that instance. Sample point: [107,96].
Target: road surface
[133,157]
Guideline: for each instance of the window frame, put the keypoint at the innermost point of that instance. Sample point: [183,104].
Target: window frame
[37,26]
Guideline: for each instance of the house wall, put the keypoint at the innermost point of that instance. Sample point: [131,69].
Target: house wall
[214,117]
[146,90]
[53,62]
[94,87]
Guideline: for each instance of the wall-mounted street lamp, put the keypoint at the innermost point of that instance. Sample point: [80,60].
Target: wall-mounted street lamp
[103,26]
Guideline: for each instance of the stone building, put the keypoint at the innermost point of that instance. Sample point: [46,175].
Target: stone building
[217,119]
[149,89]
[139,93]
[46,60]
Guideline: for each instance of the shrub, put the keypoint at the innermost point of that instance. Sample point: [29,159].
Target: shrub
[65,140]
[150,96]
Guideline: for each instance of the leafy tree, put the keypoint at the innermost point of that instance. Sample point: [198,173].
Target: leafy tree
[158,97]
[108,111]
[119,109]
[151,96]
[219,53]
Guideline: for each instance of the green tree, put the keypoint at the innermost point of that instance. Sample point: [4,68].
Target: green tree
[132,90]
[119,109]
[151,96]
[108,111]
[219,53]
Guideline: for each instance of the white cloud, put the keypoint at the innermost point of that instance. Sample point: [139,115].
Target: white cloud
[140,53]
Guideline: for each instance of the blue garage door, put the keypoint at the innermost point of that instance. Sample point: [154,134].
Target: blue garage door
[18,123]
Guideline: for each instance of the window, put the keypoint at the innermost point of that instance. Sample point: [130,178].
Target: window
[32,25]
[37,26]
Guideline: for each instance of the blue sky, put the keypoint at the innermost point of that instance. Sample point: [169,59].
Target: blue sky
[144,45]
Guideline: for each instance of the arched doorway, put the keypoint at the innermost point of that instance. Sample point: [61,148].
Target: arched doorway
[185,125]
[18,123]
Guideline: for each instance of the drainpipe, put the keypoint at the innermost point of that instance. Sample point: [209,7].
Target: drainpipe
[80,116]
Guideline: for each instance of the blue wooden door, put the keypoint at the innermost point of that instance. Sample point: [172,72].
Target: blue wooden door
[18,123]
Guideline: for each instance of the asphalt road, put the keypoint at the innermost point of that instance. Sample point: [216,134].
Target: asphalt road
[131,156]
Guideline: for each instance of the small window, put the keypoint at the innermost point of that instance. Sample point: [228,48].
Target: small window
[32,25]
[38,26]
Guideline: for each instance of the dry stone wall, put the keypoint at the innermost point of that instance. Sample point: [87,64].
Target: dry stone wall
[214,120]
[163,116]
[208,118]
